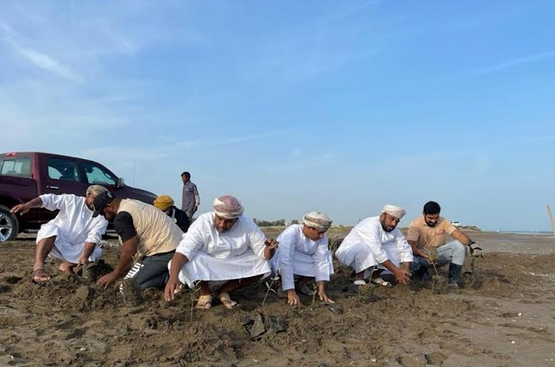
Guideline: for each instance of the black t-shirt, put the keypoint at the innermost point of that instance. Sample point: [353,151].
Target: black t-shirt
[123,224]
[181,219]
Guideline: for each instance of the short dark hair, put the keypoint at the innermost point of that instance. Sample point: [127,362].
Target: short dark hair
[431,207]
[187,174]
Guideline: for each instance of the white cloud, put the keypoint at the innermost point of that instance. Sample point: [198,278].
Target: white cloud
[514,62]
[39,59]
[124,45]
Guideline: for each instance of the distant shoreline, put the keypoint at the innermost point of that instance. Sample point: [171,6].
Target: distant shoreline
[535,233]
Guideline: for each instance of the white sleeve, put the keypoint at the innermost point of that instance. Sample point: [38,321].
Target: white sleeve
[321,260]
[286,250]
[192,241]
[55,202]
[370,236]
[405,251]
[256,238]
[97,230]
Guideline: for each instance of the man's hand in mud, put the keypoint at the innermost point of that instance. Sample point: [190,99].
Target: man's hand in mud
[82,260]
[293,298]
[172,286]
[107,279]
[402,276]
[324,297]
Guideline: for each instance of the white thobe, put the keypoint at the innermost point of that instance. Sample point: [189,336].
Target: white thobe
[368,244]
[73,227]
[299,255]
[216,256]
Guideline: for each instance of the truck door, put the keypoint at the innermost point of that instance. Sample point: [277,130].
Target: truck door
[62,176]
[96,174]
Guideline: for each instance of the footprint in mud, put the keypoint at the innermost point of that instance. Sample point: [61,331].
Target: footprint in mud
[435,359]
[410,361]
[12,279]
[9,280]
[369,293]
[510,315]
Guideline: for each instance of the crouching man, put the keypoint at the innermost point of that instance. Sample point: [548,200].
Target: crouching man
[73,236]
[376,244]
[303,252]
[426,236]
[145,232]
[222,246]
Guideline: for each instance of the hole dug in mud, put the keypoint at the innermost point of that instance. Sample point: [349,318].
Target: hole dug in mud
[259,324]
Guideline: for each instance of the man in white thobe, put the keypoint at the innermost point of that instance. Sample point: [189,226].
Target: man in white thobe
[73,236]
[303,252]
[377,243]
[223,245]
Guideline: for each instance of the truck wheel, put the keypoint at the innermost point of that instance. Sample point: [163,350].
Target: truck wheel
[9,225]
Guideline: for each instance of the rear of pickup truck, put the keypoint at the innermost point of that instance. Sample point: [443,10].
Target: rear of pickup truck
[17,185]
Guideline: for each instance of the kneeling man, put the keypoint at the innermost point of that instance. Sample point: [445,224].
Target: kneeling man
[73,236]
[376,242]
[145,233]
[223,245]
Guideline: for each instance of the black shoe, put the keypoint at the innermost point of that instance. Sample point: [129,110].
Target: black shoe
[454,274]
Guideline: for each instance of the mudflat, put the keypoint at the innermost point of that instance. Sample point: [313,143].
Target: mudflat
[504,315]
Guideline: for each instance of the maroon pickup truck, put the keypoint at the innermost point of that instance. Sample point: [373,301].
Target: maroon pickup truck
[26,175]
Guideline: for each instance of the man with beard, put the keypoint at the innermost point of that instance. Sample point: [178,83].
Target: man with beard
[146,234]
[73,236]
[376,244]
[223,246]
[426,236]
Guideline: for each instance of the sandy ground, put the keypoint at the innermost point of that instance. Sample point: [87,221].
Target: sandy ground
[504,316]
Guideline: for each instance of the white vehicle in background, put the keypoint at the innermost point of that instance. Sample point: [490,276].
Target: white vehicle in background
[456,223]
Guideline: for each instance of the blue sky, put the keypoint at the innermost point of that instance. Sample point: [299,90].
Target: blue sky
[292,106]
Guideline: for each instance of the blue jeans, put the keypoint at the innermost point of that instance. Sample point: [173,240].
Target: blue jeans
[453,252]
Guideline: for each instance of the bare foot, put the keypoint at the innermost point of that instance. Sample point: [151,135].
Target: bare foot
[67,268]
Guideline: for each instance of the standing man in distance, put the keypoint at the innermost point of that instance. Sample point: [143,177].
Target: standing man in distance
[191,199]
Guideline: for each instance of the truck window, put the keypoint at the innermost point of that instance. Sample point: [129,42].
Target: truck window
[62,169]
[16,166]
[97,175]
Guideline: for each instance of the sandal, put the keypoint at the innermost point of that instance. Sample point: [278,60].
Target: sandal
[383,283]
[227,301]
[359,282]
[40,276]
[204,302]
